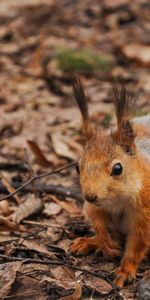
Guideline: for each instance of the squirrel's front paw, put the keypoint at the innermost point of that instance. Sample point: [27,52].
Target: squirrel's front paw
[82,246]
[110,249]
[124,274]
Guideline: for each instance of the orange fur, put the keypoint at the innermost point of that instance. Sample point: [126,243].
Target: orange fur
[118,206]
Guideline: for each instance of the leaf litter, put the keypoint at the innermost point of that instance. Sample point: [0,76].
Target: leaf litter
[38,113]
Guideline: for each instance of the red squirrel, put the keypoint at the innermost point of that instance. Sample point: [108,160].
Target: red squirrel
[115,181]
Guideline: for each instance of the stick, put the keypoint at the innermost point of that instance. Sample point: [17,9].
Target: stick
[46,188]
[36,177]
[56,263]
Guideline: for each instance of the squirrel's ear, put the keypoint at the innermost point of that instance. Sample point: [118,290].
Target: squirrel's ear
[124,135]
[81,99]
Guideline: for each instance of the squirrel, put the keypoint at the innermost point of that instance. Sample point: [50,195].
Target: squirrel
[114,173]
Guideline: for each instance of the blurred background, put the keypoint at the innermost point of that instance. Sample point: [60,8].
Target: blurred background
[41,42]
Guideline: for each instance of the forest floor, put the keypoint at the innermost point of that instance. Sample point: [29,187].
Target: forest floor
[40,131]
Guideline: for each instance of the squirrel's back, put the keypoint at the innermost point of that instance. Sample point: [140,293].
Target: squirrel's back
[142,126]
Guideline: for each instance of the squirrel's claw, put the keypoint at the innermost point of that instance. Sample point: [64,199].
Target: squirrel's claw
[82,246]
[123,276]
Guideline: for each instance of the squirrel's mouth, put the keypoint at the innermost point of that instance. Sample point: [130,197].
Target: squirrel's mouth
[97,201]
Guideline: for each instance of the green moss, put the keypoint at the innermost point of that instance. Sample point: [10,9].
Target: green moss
[82,60]
[139,113]
[107,120]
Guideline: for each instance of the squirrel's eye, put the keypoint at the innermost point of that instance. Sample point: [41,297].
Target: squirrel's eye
[77,169]
[117,169]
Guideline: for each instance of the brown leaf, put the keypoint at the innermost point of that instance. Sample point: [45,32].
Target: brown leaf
[60,146]
[31,206]
[9,188]
[98,284]
[51,209]
[40,157]
[144,287]
[38,247]
[64,276]
[138,52]
[111,4]
[7,225]
[68,206]
[4,208]
[76,295]
[8,273]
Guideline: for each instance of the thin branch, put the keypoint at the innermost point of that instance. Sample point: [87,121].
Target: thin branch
[36,177]
[58,190]
[56,263]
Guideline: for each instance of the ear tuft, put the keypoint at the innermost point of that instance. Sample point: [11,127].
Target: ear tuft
[124,135]
[79,93]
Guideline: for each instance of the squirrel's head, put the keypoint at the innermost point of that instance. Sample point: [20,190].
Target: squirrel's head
[108,164]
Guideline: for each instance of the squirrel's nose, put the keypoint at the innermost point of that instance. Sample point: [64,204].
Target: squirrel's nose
[90,198]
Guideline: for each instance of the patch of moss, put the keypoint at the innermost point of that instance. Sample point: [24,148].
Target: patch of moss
[82,60]
[107,120]
[139,113]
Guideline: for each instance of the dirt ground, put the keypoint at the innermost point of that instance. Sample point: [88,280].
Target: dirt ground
[41,44]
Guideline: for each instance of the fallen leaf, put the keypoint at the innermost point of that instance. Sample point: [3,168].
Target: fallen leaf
[111,4]
[138,52]
[9,188]
[31,206]
[76,295]
[40,157]
[144,287]
[8,273]
[7,225]
[68,206]
[60,146]
[51,209]
[64,276]
[98,284]
[38,247]
[4,208]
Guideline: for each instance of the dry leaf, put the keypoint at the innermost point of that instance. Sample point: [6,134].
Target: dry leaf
[68,206]
[40,157]
[33,245]
[7,225]
[31,206]
[64,276]
[60,146]
[4,208]
[144,287]
[35,64]
[138,52]
[9,188]
[113,4]
[98,284]
[8,273]
[51,209]
[76,295]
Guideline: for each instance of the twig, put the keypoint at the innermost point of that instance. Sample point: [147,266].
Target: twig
[47,189]
[46,225]
[36,177]
[56,263]
[41,224]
